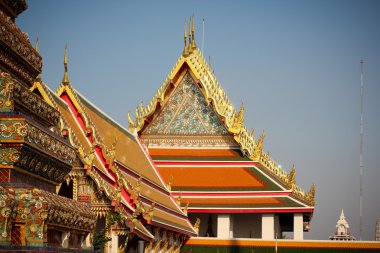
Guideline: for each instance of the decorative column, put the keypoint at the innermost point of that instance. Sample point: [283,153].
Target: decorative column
[224,228]
[267,226]
[298,226]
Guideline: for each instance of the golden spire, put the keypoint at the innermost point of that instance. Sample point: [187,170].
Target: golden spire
[237,122]
[38,78]
[292,177]
[36,48]
[311,195]
[190,36]
[258,149]
[65,79]
[193,45]
[185,51]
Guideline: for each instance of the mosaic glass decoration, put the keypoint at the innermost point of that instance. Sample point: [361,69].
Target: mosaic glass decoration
[187,113]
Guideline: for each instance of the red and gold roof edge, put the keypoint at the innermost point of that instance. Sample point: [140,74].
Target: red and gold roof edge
[109,157]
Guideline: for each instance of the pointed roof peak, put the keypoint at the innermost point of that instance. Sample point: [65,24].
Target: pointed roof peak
[185,49]
[65,79]
[38,78]
[36,47]
[189,38]
[342,215]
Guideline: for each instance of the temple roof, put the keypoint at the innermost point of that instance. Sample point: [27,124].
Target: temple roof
[117,162]
[158,122]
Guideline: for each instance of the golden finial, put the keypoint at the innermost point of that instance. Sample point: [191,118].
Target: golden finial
[65,79]
[131,123]
[292,177]
[169,186]
[197,225]
[36,48]
[185,40]
[193,45]
[311,195]
[258,149]
[237,122]
[190,36]
[186,207]
[178,200]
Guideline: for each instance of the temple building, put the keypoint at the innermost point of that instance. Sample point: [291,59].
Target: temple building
[186,176]
[342,231]
[215,167]
[35,159]
[70,176]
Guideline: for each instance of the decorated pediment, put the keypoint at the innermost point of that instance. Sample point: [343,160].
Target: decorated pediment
[186,112]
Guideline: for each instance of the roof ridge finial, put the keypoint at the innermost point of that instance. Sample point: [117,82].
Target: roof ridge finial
[190,37]
[185,50]
[38,78]
[342,215]
[193,44]
[36,47]
[65,79]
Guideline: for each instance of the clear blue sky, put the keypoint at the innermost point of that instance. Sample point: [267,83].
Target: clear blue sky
[295,64]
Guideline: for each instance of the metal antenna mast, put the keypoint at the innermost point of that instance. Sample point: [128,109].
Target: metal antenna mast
[203,33]
[361,150]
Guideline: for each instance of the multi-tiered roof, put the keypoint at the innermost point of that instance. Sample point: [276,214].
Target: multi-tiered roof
[203,149]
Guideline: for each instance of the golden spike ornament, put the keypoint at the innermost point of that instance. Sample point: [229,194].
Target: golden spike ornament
[185,50]
[186,207]
[292,177]
[193,44]
[38,79]
[36,47]
[65,79]
[190,38]
[178,200]
[132,124]
[258,149]
[169,185]
[197,225]
[238,121]
[311,195]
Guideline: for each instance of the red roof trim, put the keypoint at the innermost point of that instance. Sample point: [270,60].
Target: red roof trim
[205,163]
[232,194]
[290,210]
